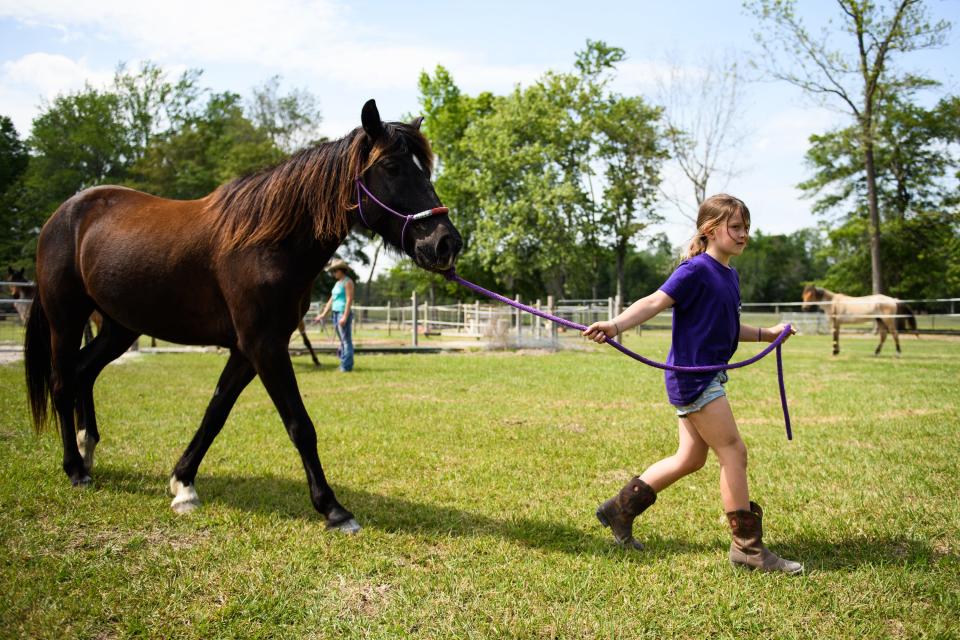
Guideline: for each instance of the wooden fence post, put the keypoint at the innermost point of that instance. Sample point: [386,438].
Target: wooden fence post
[388,318]
[413,307]
[519,319]
[552,310]
[538,322]
[476,317]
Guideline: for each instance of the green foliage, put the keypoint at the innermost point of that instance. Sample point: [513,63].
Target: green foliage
[546,179]
[13,164]
[864,80]
[916,163]
[171,138]
[776,267]
[210,148]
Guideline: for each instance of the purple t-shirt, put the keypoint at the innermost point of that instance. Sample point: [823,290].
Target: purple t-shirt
[706,323]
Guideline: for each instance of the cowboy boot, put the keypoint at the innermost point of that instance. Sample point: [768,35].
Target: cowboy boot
[747,549]
[619,511]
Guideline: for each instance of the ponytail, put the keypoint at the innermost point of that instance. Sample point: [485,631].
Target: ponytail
[698,244]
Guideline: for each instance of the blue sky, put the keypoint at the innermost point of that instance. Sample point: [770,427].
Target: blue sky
[346,52]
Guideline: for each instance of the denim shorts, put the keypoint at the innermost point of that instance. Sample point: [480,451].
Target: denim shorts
[713,391]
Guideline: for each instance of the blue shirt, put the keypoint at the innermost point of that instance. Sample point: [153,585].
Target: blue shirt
[706,323]
[339,295]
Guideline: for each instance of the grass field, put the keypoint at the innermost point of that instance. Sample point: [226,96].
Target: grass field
[475,477]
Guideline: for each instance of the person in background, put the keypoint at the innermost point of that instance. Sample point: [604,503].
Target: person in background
[341,302]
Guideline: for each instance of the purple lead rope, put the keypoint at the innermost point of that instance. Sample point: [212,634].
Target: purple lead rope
[452,275]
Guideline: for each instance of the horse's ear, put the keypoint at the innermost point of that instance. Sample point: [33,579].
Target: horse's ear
[416,122]
[370,118]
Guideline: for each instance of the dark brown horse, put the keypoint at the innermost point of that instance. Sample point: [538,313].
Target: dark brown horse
[889,313]
[232,269]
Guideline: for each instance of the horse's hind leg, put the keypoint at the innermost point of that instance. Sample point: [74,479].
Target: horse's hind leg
[896,337]
[306,341]
[836,338]
[236,375]
[109,344]
[66,331]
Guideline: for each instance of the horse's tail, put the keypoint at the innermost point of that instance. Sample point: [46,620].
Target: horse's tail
[37,361]
[906,321]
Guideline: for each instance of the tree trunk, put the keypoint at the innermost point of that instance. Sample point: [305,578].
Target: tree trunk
[621,269]
[875,272]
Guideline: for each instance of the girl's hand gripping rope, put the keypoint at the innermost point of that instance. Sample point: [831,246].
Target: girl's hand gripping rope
[600,332]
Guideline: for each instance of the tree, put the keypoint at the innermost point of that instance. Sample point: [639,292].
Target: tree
[547,178]
[13,164]
[291,121]
[857,81]
[798,259]
[701,112]
[917,194]
[212,147]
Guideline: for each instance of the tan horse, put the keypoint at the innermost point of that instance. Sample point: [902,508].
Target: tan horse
[889,313]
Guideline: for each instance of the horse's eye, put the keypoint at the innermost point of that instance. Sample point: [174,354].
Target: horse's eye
[391,167]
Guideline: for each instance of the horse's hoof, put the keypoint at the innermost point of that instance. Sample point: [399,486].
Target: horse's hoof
[185,506]
[350,527]
[82,482]
[185,497]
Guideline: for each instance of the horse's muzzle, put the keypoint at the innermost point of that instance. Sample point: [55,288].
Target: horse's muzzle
[438,251]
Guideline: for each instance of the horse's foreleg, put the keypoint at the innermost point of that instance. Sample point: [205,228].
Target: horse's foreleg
[236,375]
[883,336]
[895,334]
[272,363]
[109,344]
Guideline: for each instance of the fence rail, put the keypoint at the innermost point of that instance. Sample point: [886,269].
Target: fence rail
[496,323]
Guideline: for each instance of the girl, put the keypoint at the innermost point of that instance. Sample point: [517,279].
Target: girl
[705,294]
[341,301]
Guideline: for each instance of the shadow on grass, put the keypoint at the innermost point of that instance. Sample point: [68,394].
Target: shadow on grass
[273,496]
[269,495]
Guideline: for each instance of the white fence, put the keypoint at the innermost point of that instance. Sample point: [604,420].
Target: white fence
[500,324]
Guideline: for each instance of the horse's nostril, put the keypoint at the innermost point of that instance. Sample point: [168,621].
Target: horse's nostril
[444,248]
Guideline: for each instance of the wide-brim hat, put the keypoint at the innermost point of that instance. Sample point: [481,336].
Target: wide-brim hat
[334,265]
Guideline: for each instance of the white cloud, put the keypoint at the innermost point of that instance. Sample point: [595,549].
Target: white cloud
[292,37]
[28,81]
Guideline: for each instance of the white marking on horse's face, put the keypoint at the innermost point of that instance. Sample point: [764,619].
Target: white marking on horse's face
[416,161]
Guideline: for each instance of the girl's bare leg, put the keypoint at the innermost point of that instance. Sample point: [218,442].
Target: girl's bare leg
[718,429]
[690,457]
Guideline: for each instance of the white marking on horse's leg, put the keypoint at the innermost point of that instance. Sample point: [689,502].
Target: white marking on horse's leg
[86,446]
[416,161]
[185,497]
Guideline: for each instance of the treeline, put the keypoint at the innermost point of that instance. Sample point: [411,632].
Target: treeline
[170,137]
[554,186]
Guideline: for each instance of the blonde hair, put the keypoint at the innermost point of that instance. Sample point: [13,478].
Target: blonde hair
[714,212]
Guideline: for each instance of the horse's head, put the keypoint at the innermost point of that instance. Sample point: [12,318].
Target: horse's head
[811,296]
[17,275]
[396,185]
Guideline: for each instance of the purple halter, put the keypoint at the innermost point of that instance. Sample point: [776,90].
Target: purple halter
[407,217]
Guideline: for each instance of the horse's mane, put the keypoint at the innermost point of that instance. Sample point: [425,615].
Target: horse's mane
[314,188]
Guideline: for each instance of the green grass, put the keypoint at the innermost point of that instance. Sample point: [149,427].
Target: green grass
[475,477]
